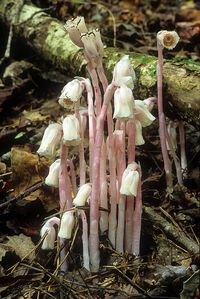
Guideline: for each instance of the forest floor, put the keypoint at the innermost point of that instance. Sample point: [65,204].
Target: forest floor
[29,89]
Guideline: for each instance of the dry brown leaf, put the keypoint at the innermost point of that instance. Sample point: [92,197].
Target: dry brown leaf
[22,245]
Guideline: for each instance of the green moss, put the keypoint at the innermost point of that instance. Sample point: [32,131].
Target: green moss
[148,74]
[189,64]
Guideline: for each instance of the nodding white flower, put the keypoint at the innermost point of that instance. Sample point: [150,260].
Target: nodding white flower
[51,139]
[66,225]
[139,140]
[75,27]
[53,177]
[168,39]
[171,129]
[130,180]
[71,130]
[124,72]
[123,103]
[92,42]
[142,113]
[50,232]
[71,92]
[83,195]
[149,103]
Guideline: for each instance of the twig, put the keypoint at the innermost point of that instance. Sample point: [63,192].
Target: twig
[23,194]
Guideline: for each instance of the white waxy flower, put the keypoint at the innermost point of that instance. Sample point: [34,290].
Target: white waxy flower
[83,195]
[168,39]
[71,130]
[149,103]
[123,103]
[124,72]
[66,225]
[53,177]
[50,233]
[139,140]
[75,27]
[130,180]
[51,139]
[142,113]
[71,92]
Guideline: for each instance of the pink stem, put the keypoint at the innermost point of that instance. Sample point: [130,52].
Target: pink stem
[101,74]
[137,218]
[113,180]
[65,190]
[130,128]
[86,259]
[121,165]
[103,191]
[162,125]
[91,124]
[182,148]
[97,91]
[81,148]
[94,202]
[73,176]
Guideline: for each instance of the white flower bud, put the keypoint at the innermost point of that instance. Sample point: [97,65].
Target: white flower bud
[49,231]
[149,103]
[71,130]
[123,103]
[51,139]
[130,180]
[83,195]
[75,27]
[142,113]
[124,72]
[66,225]
[168,39]
[139,140]
[53,177]
[71,92]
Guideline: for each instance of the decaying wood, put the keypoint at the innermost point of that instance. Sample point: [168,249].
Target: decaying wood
[48,38]
[173,232]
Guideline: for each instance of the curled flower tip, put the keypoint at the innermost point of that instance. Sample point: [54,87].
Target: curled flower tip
[168,39]
[124,72]
[83,195]
[130,180]
[123,103]
[71,130]
[142,113]
[71,92]
[49,233]
[51,138]
[66,225]
[52,179]
[75,27]
[92,43]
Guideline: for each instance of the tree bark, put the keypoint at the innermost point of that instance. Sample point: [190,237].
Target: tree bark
[47,37]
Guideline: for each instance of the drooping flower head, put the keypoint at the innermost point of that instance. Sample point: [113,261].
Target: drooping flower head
[168,39]
[123,103]
[92,43]
[52,179]
[50,140]
[66,225]
[130,180]
[71,92]
[82,195]
[124,72]
[71,130]
[142,113]
[49,232]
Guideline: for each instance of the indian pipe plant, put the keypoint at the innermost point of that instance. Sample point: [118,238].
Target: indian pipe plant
[112,188]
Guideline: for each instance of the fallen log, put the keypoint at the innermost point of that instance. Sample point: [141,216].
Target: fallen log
[46,36]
